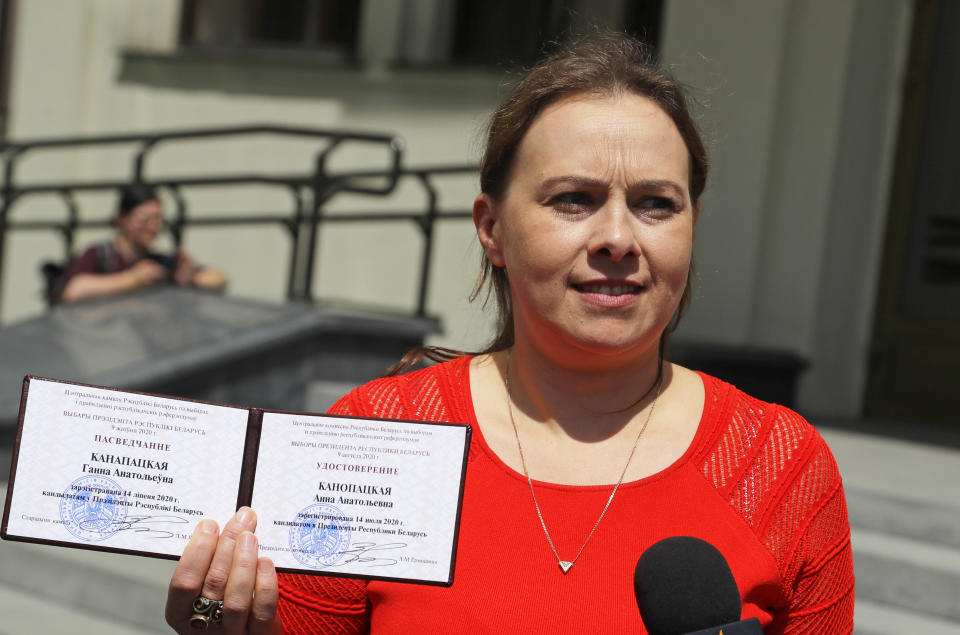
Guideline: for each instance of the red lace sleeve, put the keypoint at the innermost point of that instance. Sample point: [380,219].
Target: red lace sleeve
[808,532]
[782,480]
[314,604]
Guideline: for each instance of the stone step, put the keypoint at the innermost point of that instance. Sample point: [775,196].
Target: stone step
[128,592]
[920,520]
[904,507]
[895,468]
[907,574]
[26,612]
[878,619]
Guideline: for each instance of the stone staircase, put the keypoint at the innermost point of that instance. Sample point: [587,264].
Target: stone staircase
[904,505]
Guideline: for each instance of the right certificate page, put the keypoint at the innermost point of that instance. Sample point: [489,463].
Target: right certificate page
[360,497]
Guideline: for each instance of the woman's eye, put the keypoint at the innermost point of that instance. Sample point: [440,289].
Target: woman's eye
[572,200]
[658,204]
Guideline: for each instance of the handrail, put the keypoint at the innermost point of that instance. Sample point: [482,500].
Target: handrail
[301,222]
[193,133]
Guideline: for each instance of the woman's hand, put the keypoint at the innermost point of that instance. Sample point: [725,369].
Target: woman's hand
[189,274]
[186,270]
[224,566]
[145,273]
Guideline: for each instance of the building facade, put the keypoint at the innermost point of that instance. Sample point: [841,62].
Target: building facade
[801,101]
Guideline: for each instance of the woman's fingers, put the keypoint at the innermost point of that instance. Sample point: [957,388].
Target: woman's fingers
[263,613]
[190,573]
[238,595]
[250,577]
[215,582]
[225,567]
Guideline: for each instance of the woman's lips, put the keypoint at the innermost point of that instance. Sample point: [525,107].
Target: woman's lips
[609,294]
[608,288]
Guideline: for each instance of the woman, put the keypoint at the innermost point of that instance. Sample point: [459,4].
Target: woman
[126,263]
[588,447]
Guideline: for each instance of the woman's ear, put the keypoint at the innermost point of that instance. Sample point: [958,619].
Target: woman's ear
[487,221]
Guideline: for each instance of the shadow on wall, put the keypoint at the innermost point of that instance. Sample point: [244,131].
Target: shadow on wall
[768,374]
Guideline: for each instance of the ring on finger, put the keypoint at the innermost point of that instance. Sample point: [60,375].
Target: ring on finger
[206,612]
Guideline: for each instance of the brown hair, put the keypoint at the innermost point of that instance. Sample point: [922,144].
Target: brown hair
[601,63]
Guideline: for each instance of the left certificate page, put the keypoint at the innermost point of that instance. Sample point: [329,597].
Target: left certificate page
[121,471]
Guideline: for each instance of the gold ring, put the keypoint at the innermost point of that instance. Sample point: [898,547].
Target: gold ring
[206,612]
[200,622]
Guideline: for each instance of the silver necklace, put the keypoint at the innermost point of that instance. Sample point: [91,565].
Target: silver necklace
[566,564]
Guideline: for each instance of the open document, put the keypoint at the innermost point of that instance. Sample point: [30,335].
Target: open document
[113,470]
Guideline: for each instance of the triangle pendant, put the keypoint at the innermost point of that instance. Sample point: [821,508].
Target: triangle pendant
[565,565]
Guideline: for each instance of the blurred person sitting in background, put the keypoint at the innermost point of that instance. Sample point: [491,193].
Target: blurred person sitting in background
[126,263]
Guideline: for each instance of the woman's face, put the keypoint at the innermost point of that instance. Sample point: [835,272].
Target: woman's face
[142,224]
[595,228]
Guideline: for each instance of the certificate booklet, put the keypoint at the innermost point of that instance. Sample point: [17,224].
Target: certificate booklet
[107,469]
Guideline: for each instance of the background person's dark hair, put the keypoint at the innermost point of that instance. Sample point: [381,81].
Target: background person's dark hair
[134,195]
[600,63]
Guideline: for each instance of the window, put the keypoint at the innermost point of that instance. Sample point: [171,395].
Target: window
[508,32]
[323,27]
[485,33]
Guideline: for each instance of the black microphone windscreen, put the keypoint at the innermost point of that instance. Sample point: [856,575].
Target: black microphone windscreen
[684,584]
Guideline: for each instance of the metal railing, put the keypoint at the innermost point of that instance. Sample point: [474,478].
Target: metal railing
[302,222]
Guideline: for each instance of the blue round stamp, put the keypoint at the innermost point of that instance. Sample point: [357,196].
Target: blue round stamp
[319,536]
[93,508]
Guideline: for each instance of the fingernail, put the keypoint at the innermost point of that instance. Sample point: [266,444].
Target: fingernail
[264,565]
[247,541]
[244,515]
[207,526]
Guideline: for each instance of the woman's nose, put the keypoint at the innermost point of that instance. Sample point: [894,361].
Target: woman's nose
[614,235]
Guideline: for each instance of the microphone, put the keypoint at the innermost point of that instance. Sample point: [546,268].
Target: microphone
[684,587]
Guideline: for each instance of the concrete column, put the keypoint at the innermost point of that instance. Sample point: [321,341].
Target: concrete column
[801,110]
[730,53]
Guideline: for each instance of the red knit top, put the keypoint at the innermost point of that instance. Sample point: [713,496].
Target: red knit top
[757,482]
